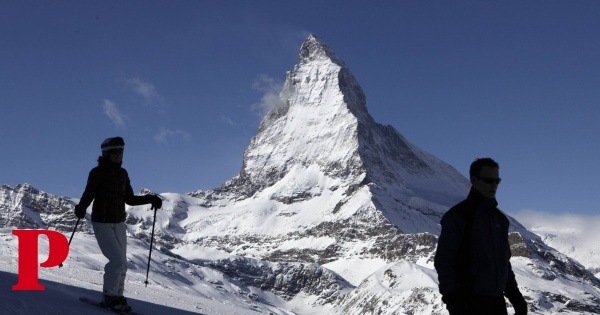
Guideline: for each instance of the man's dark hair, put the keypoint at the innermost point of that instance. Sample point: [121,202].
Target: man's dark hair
[479,164]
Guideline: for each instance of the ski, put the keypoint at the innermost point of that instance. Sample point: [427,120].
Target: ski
[99,304]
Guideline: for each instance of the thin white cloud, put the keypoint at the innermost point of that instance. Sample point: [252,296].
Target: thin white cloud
[566,222]
[271,89]
[145,89]
[112,112]
[229,121]
[164,134]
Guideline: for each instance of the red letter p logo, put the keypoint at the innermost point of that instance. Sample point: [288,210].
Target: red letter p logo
[58,250]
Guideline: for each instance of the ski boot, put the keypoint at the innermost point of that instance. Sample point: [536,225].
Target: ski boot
[116,303]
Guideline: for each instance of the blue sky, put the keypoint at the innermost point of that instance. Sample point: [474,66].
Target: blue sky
[185,83]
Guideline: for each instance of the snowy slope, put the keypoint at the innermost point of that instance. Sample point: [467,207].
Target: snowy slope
[176,286]
[213,281]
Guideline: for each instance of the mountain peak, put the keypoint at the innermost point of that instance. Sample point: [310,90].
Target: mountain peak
[322,127]
[314,125]
[314,48]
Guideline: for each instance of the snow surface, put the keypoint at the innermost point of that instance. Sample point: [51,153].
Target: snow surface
[176,287]
[182,287]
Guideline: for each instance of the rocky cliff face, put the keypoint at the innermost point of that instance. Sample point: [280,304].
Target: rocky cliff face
[328,204]
[25,207]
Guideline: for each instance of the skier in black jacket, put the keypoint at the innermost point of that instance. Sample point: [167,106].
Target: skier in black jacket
[473,254]
[109,187]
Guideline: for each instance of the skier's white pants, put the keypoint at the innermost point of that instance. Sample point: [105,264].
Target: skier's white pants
[112,239]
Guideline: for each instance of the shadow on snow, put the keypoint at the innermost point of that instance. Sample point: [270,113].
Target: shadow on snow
[62,299]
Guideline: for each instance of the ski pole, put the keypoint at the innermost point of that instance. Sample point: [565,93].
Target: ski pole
[151,241]
[72,234]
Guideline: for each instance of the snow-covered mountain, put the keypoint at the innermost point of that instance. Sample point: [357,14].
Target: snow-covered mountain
[321,138]
[330,210]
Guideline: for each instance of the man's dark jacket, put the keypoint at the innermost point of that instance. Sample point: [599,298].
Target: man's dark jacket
[109,187]
[473,253]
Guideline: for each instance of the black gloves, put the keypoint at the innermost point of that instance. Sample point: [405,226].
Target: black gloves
[455,303]
[156,202]
[80,211]
[516,299]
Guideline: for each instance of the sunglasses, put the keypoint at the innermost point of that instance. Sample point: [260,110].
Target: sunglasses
[490,180]
[115,151]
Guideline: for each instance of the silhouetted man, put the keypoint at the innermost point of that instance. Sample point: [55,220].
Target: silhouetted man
[473,254]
